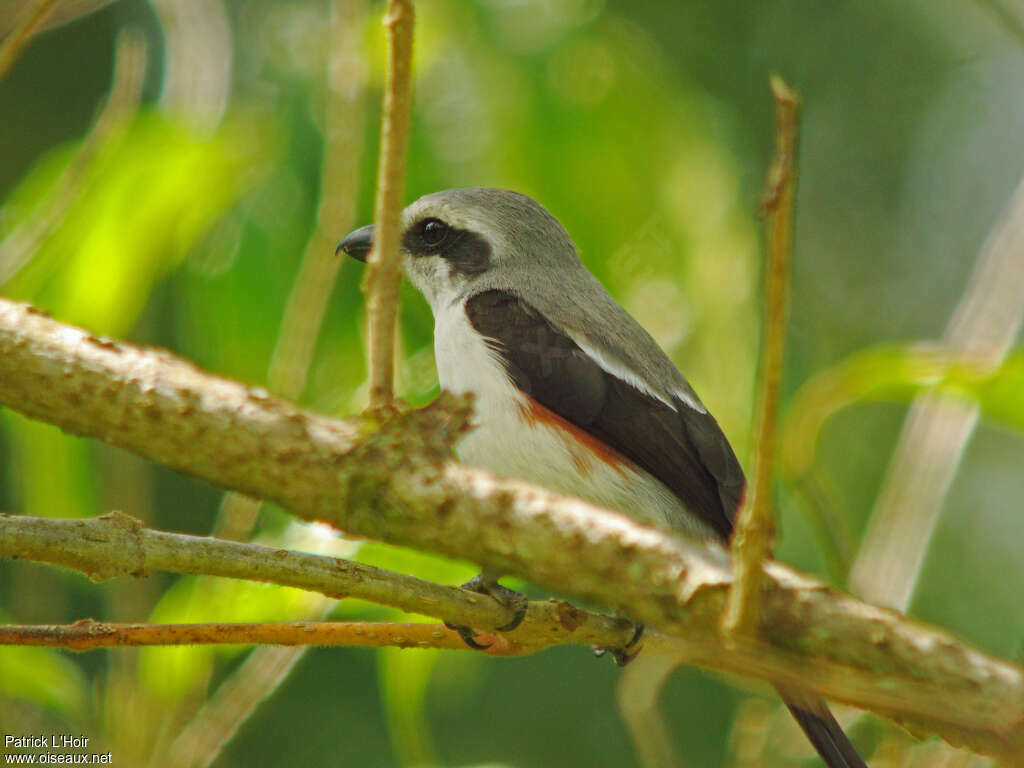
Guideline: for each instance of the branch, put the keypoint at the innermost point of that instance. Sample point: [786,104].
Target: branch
[384,271]
[755,529]
[391,478]
[117,545]
[87,634]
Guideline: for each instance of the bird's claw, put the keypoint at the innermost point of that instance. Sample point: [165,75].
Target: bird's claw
[622,656]
[508,598]
[468,636]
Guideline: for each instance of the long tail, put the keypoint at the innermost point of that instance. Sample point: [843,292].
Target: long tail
[823,731]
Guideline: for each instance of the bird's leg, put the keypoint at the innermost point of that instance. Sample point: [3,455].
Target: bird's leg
[486,583]
[622,656]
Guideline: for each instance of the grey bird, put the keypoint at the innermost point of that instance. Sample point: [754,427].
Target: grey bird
[571,393]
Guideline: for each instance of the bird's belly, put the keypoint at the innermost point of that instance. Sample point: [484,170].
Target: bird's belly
[510,440]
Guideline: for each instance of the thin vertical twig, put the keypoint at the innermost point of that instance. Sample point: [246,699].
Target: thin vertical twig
[16,42]
[755,530]
[384,273]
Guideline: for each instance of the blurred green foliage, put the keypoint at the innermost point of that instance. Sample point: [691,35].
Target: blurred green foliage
[898,374]
[646,129]
[45,677]
[136,216]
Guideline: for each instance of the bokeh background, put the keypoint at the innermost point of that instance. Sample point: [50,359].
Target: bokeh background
[177,172]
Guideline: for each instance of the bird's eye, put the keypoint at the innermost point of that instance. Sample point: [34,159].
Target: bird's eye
[434,232]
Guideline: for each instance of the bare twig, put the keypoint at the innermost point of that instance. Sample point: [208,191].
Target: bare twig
[116,545]
[32,19]
[384,273]
[88,635]
[393,479]
[755,528]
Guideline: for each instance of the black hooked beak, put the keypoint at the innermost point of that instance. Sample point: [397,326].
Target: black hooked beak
[357,244]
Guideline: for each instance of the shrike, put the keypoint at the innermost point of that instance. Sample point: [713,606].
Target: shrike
[571,392]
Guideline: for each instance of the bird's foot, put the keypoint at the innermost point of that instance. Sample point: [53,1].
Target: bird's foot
[622,656]
[506,597]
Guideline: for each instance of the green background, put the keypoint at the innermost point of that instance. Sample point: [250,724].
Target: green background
[646,128]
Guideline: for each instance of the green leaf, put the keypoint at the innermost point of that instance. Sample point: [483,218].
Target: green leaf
[899,374]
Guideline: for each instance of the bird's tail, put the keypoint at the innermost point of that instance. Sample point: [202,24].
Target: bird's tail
[823,731]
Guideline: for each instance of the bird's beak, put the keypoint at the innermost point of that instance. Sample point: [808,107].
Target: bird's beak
[357,244]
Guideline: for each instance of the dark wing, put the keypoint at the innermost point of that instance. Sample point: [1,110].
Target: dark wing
[682,447]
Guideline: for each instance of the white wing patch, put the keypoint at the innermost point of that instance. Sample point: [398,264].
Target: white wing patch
[621,372]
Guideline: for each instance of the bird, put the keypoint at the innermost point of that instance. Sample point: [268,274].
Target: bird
[570,391]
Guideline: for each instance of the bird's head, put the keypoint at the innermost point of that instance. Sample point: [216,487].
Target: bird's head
[454,239]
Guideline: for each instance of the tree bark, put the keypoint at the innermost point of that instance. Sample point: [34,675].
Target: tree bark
[391,478]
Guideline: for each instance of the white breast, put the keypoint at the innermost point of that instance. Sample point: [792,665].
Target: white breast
[507,443]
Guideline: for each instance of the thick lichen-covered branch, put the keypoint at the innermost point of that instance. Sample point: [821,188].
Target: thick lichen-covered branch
[392,478]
